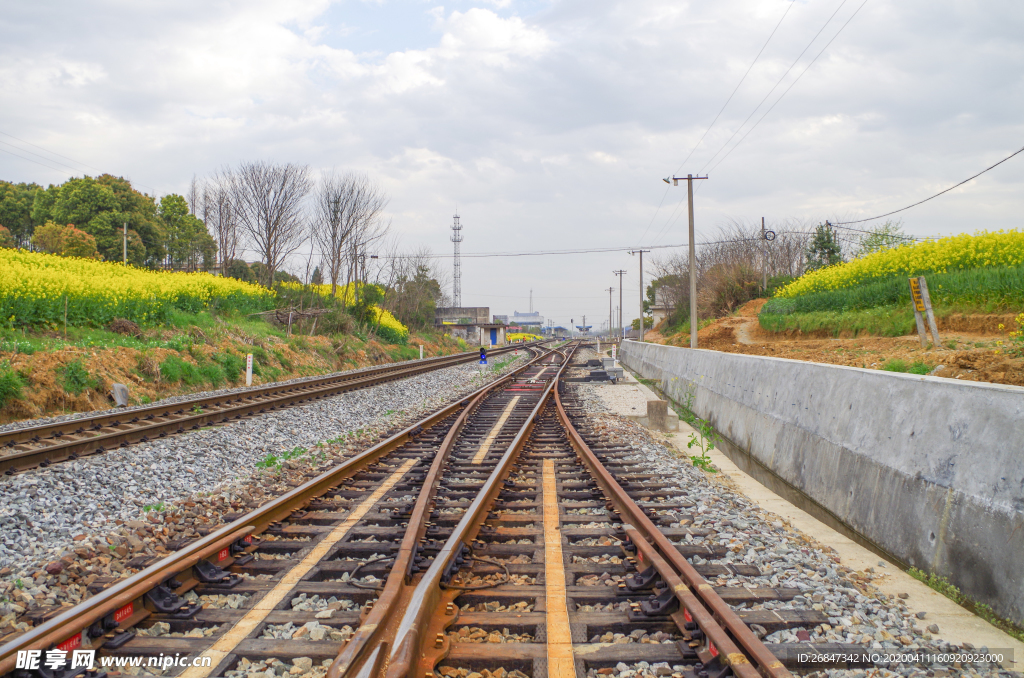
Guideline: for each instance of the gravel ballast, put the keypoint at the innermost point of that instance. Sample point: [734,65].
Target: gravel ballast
[65,525]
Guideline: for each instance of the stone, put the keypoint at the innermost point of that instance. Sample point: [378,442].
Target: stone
[921,614]
[903,596]
[304,663]
[933,628]
[56,567]
[119,392]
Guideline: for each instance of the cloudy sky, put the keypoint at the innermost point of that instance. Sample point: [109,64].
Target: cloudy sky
[547,123]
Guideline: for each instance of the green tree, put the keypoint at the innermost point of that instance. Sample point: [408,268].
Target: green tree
[884,237]
[66,241]
[648,323]
[101,207]
[16,201]
[824,249]
[6,239]
[317,278]
[189,244]
[239,270]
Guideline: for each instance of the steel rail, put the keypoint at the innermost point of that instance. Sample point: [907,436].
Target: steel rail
[77,619]
[425,598]
[714,616]
[154,422]
[375,629]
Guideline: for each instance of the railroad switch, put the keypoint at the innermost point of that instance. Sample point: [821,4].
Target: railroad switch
[644,581]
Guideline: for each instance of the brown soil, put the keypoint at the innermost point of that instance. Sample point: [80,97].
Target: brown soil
[977,356]
[139,369]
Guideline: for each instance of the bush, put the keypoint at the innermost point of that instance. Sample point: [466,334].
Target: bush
[896,365]
[233,365]
[173,369]
[239,270]
[75,378]
[212,373]
[10,384]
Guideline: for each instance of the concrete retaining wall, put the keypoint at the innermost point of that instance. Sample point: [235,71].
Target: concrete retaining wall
[929,469]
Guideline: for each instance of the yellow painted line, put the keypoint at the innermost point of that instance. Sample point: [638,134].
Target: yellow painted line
[492,435]
[560,657]
[244,626]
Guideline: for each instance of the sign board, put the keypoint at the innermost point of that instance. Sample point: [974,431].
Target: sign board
[915,292]
[248,370]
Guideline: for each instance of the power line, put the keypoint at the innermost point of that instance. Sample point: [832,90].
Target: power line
[791,85]
[736,89]
[51,152]
[55,169]
[775,86]
[919,202]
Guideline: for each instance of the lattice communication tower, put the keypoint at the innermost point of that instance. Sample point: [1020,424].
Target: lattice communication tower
[457,273]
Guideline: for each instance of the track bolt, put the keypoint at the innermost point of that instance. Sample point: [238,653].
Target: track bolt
[449,609]
[439,641]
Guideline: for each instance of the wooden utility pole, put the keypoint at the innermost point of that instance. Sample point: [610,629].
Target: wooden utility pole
[923,309]
[693,254]
[622,330]
[641,253]
[126,244]
[610,290]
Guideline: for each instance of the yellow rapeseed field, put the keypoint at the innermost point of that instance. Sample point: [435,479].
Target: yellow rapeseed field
[958,252]
[35,289]
[346,293]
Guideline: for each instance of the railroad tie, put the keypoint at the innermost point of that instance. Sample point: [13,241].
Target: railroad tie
[492,435]
[244,626]
[560,656]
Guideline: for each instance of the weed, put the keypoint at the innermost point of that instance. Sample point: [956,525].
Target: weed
[197,409]
[948,589]
[285,363]
[75,378]
[19,583]
[159,506]
[173,369]
[212,373]
[951,344]
[145,400]
[233,365]
[10,384]
[705,437]
[896,365]
[920,367]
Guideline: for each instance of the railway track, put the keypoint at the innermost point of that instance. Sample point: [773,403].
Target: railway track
[497,538]
[45,444]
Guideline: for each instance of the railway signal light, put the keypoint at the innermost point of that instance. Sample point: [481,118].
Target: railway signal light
[483,355]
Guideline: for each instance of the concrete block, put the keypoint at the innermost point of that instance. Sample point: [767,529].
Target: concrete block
[119,392]
[927,469]
[657,413]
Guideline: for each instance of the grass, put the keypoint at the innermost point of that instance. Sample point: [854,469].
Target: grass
[990,290]
[898,365]
[75,379]
[11,384]
[948,589]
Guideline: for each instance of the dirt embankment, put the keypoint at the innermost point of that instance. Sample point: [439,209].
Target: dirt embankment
[977,355]
[49,390]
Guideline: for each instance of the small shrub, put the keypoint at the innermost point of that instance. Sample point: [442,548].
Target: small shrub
[173,369]
[212,373]
[920,367]
[75,378]
[233,365]
[896,365]
[10,384]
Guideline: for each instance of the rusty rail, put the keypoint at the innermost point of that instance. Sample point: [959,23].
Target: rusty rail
[77,619]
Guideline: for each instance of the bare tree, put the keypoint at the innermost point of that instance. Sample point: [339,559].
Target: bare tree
[219,215]
[267,200]
[346,219]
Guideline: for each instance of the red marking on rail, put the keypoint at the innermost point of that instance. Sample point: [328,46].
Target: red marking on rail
[223,555]
[712,649]
[686,615]
[248,539]
[71,643]
[124,612]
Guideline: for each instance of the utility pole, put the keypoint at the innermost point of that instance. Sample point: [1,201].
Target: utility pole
[764,260]
[126,244]
[622,330]
[610,290]
[693,254]
[641,253]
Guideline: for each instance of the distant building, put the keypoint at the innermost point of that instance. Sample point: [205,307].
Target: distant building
[663,306]
[503,319]
[533,320]
[471,324]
